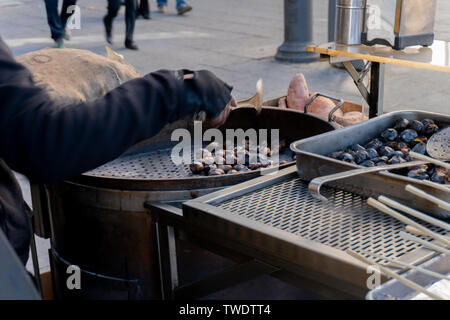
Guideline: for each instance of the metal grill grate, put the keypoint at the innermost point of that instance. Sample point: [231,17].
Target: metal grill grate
[155,164]
[345,222]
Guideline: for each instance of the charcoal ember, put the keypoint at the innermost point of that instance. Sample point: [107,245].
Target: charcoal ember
[426,122]
[408,135]
[216,172]
[374,144]
[347,157]
[368,163]
[416,126]
[420,174]
[389,134]
[225,167]
[401,124]
[196,167]
[430,129]
[396,160]
[420,148]
[360,156]
[386,151]
[372,153]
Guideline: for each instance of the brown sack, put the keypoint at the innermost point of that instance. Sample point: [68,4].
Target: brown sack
[74,76]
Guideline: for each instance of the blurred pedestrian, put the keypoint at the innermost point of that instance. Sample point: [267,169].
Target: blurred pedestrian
[56,21]
[130,19]
[144,9]
[182,6]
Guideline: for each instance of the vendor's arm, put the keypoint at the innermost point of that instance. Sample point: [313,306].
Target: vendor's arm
[47,142]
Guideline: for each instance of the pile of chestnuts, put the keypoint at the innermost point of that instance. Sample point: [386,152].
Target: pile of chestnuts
[393,147]
[217,160]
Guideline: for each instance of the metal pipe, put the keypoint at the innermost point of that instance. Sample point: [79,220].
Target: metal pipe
[298,32]
[331,20]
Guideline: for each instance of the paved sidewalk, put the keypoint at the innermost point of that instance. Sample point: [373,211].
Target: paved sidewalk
[235,39]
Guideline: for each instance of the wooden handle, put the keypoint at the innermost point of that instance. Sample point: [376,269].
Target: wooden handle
[394,275]
[420,193]
[429,159]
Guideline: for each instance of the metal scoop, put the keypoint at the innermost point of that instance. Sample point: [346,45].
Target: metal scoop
[255,101]
[438,147]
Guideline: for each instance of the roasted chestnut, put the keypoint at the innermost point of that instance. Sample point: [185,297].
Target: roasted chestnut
[374,144]
[416,126]
[254,166]
[336,155]
[439,177]
[389,134]
[225,167]
[357,147]
[401,124]
[386,151]
[196,167]
[216,172]
[430,129]
[426,122]
[408,135]
[368,163]
[232,171]
[420,148]
[398,154]
[208,160]
[347,157]
[420,174]
[396,160]
[361,156]
[372,153]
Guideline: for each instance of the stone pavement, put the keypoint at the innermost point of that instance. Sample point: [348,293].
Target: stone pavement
[235,39]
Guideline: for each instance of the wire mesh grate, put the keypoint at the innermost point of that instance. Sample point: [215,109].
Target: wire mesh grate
[345,222]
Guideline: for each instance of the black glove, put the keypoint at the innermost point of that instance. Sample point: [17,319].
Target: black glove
[204,92]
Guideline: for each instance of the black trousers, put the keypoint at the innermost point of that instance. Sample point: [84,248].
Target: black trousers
[144,8]
[56,21]
[130,16]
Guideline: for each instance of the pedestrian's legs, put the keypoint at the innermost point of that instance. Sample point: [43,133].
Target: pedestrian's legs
[144,8]
[181,4]
[161,3]
[54,21]
[113,9]
[130,19]
[65,15]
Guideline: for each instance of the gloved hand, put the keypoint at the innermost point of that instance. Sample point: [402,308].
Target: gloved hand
[204,92]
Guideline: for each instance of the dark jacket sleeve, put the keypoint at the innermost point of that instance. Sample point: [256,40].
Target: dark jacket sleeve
[46,142]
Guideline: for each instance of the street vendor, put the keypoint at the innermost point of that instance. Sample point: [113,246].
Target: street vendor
[47,142]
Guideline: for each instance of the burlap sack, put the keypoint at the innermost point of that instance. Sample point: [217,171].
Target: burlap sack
[74,76]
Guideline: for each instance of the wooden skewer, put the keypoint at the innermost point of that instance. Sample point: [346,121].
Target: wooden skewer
[414,213]
[420,193]
[410,266]
[382,207]
[427,244]
[394,275]
[429,159]
[417,232]
[442,187]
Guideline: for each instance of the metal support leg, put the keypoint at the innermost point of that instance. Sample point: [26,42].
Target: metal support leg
[167,260]
[298,32]
[376,89]
[331,20]
[374,97]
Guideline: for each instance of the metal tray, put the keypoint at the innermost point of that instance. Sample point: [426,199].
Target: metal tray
[394,290]
[312,162]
